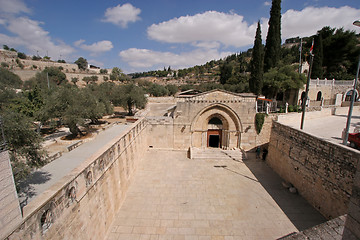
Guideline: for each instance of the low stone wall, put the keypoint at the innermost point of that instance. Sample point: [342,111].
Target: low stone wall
[84,203]
[10,213]
[323,172]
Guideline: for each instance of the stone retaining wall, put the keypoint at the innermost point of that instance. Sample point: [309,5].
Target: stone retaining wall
[83,204]
[323,172]
[10,213]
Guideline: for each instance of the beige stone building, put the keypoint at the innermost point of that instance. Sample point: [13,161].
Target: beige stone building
[217,118]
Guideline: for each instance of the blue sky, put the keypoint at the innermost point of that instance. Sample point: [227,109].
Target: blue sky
[144,35]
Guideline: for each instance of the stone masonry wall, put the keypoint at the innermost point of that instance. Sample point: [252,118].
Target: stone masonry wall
[10,213]
[323,172]
[352,224]
[84,203]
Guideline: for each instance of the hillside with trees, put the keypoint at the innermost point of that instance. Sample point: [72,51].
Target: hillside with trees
[50,100]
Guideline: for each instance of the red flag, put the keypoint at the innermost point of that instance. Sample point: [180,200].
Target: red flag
[312,47]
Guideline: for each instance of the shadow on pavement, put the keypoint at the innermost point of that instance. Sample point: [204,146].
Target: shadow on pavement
[296,208]
[26,190]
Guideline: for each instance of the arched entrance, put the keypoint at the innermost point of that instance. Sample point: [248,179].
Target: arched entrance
[319,96]
[347,96]
[214,133]
[216,126]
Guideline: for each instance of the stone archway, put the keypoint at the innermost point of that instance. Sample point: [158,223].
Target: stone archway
[348,93]
[216,125]
[214,132]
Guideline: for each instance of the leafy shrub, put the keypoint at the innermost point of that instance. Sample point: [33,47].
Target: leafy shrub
[259,121]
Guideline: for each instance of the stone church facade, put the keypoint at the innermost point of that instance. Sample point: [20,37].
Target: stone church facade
[217,118]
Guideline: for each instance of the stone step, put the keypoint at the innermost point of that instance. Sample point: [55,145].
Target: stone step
[218,154]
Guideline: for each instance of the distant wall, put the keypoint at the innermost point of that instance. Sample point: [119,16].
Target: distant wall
[10,213]
[84,203]
[161,132]
[323,172]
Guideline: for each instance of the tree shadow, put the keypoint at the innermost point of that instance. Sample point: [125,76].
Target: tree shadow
[296,208]
[26,189]
[345,116]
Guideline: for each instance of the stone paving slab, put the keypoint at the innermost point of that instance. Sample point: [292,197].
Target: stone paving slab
[173,197]
[48,175]
[327,127]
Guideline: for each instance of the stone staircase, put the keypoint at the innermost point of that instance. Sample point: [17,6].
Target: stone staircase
[216,154]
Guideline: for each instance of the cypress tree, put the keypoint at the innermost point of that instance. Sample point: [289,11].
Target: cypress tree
[317,67]
[273,39]
[257,64]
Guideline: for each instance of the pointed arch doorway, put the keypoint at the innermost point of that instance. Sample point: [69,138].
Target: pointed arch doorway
[214,133]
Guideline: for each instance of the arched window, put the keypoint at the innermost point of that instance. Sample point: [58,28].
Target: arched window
[319,96]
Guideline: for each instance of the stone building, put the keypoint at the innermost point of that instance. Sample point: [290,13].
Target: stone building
[328,92]
[212,119]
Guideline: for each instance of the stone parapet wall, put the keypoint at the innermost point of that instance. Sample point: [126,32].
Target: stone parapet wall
[83,204]
[323,172]
[10,213]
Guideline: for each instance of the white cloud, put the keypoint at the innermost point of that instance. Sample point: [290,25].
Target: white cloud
[13,6]
[98,47]
[122,15]
[96,63]
[267,3]
[144,58]
[30,34]
[207,45]
[311,19]
[211,29]
[229,29]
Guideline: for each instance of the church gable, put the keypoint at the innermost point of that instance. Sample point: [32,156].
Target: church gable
[220,96]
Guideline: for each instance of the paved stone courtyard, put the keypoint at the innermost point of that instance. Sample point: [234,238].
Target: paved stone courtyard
[173,197]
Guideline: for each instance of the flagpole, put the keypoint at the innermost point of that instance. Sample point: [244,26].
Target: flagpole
[300,55]
[307,88]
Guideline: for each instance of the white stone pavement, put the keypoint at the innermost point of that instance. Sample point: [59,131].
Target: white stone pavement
[176,198]
[43,178]
[327,127]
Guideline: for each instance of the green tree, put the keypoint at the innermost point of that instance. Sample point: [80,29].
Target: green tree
[172,89]
[24,144]
[21,55]
[115,74]
[65,103]
[35,58]
[5,47]
[90,79]
[55,75]
[82,63]
[157,90]
[129,97]
[257,64]
[9,79]
[340,53]
[273,39]
[317,66]
[281,80]
[103,71]
[74,80]
[225,72]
